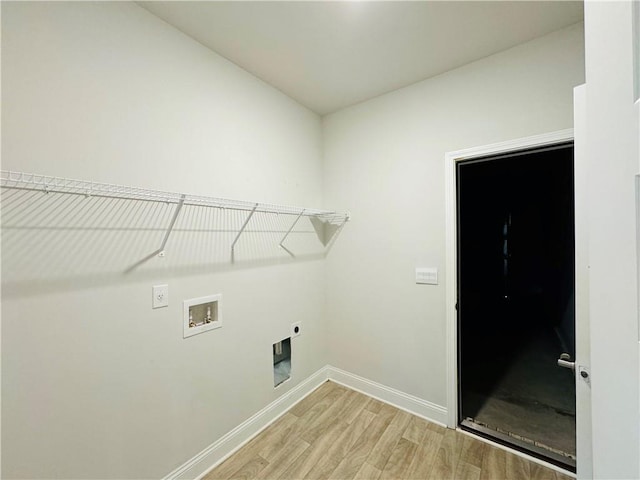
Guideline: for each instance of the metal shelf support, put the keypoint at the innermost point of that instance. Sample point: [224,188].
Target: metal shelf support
[244,225]
[281,245]
[160,251]
[171,225]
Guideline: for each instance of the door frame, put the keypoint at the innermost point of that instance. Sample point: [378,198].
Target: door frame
[451,161]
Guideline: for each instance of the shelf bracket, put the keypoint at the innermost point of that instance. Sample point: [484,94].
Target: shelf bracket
[281,245]
[244,225]
[171,225]
[160,251]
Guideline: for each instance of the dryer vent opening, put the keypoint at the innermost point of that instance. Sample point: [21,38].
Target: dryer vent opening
[281,361]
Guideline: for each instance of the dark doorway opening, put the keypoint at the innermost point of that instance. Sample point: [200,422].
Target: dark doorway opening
[516,307]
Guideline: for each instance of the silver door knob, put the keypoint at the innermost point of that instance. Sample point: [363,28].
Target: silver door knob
[565,362]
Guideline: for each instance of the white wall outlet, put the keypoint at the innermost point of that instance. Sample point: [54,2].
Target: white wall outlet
[296,329]
[427,276]
[160,296]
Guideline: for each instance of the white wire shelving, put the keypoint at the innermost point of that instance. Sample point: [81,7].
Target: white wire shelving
[59,185]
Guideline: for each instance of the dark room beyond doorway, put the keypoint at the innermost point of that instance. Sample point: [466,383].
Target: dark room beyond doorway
[516,306]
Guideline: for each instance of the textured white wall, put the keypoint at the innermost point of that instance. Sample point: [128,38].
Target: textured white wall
[613,157]
[384,159]
[96,384]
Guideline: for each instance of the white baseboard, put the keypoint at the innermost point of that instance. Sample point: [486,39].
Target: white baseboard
[417,406]
[217,452]
[198,466]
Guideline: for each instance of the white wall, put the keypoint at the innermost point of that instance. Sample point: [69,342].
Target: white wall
[384,160]
[613,162]
[96,384]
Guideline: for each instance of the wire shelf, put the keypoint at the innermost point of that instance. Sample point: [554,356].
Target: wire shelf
[326,222]
[47,184]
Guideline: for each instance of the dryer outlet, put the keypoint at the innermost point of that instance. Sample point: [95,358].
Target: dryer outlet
[296,329]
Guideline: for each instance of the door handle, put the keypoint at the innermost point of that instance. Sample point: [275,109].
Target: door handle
[565,362]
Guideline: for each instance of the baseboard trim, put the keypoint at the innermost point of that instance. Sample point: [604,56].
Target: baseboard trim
[202,463]
[417,406]
[198,466]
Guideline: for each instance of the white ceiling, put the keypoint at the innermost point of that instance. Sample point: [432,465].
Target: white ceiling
[329,55]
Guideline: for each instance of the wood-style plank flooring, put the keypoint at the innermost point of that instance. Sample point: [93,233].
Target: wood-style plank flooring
[337,433]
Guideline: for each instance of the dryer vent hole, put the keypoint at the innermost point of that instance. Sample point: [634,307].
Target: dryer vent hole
[281,361]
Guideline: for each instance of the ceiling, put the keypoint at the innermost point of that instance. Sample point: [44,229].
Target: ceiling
[329,55]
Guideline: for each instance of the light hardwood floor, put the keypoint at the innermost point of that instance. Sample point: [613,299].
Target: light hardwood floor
[337,433]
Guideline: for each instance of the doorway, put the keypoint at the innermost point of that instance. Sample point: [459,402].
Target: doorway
[516,300]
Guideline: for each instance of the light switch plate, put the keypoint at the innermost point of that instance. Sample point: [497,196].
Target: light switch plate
[427,276]
[160,296]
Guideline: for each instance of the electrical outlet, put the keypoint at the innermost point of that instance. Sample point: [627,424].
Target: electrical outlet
[296,329]
[160,296]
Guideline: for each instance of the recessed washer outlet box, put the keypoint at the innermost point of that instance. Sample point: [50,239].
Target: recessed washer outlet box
[202,314]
